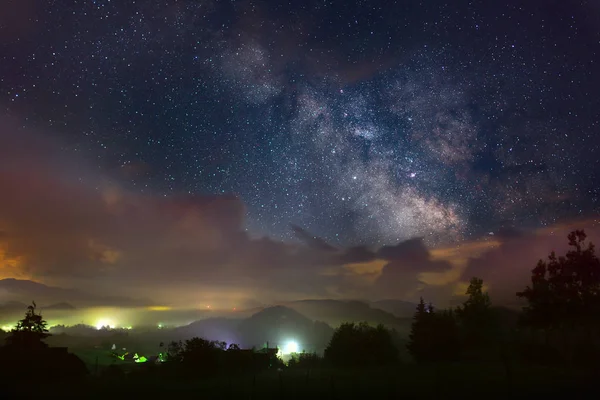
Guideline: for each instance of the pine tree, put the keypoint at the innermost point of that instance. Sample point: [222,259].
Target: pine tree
[30,331]
[476,319]
[420,338]
[433,335]
[447,341]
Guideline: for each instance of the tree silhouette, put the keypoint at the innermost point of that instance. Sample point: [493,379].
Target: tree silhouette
[565,291]
[30,331]
[233,347]
[304,360]
[433,335]
[421,332]
[564,295]
[446,337]
[478,303]
[476,320]
[201,355]
[360,345]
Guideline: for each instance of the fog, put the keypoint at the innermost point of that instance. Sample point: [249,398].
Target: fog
[118,317]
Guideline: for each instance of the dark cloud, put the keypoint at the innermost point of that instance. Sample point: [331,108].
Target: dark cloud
[409,251]
[311,240]
[356,254]
[406,261]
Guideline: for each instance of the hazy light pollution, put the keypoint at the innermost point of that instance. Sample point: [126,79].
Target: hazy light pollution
[193,151]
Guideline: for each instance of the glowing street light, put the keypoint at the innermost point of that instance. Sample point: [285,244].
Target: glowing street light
[290,347]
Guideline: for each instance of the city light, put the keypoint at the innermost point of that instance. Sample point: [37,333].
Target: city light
[104,323]
[159,308]
[290,347]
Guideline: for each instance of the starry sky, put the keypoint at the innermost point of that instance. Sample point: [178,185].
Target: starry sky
[351,127]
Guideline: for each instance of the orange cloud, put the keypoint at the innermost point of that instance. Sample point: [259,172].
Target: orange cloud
[370,269]
[458,256]
[11,267]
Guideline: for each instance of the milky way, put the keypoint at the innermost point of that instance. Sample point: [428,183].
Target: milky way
[369,122]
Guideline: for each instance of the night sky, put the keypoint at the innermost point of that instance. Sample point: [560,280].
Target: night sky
[341,124]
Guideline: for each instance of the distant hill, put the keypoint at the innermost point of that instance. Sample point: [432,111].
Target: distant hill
[336,312]
[399,308]
[221,329]
[25,291]
[279,325]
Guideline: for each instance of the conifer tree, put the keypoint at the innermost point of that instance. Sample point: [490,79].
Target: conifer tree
[476,320]
[30,331]
[421,333]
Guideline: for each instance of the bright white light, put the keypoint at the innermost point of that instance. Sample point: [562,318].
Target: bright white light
[290,347]
[104,322]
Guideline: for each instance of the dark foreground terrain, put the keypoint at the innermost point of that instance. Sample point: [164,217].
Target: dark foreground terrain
[487,381]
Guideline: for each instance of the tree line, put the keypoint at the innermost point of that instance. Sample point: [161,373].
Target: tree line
[559,324]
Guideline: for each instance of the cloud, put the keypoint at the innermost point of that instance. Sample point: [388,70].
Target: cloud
[401,267]
[356,254]
[506,268]
[63,222]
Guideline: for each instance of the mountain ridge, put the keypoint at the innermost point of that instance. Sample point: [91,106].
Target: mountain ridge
[25,291]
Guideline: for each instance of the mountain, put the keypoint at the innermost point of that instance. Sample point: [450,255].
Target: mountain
[221,329]
[336,312]
[11,306]
[399,308]
[280,325]
[25,291]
